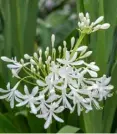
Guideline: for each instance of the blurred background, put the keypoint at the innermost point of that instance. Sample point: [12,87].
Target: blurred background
[26,25]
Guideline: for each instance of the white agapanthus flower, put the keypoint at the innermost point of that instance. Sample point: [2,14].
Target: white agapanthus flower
[29,99]
[65,80]
[54,109]
[10,94]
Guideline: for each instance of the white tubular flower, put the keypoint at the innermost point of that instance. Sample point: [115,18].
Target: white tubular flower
[10,94]
[85,26]
[54,108]
[29,99]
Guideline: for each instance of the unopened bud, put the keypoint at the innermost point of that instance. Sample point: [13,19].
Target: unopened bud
[99,20]
[22,61]
[53,39]
[27,57]
[40,52]
[72,42]
[35,56]
[33,62]
[105,26]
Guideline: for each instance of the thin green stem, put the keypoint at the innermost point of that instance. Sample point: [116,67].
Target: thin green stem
[23,79]
[78,43]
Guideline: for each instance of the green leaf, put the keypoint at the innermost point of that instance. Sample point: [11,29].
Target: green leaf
[36,124]
[69,129]
[29,33]
[6,126]
[110,105]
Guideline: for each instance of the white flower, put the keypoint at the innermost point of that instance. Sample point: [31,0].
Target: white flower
[103,87]
[10,94]
[29,99]
[14,65]
[53,108]
[78,100]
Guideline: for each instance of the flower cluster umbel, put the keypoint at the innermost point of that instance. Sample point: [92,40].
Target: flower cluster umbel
[62,80]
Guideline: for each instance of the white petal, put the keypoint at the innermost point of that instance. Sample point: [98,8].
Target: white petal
[3,91]
[67,103]
[74,57]
[22,103]
[15,72]
[60,61]
[59,109]
[12,66]
[12,101]
[110,87]
[4,96]
[57,118]
[19,94]
[35,90]
[96,104]
[33,108]
[106,81]
[26,90]
[80,62]
[41,83]
[42,115]
[17,99]
[92,73]
[48,121]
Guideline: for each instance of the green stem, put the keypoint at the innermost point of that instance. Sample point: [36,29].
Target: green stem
[23,79]
[78,43]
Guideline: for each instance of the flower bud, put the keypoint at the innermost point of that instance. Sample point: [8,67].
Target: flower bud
[72,42]
[27,57]
[64,43]
[105,26]
[40,52]
[4,58]
[99,20]
[53,39]
[33,62]
[59,49]
[35,56]
[87,15]
[96,28]
[22,61]
[81,16]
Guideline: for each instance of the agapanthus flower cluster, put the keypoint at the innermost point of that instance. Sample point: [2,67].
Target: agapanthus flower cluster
[62,79]
[87,26]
